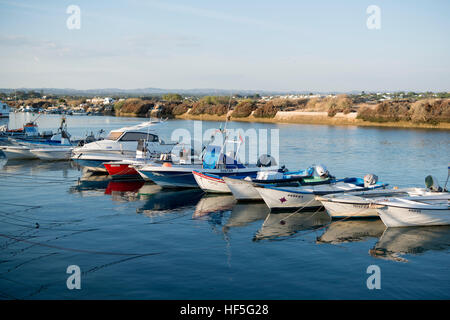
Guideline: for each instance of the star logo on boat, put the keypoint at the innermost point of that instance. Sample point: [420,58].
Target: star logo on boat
[282,200]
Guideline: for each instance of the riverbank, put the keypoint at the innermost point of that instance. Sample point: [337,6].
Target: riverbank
[317,118]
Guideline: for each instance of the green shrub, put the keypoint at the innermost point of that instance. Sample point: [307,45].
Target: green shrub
[172,97]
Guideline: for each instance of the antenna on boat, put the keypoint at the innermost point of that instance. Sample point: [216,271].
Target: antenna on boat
[448,174]
[228,110]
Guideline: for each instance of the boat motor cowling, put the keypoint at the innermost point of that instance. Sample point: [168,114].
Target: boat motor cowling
[322,171]
[370,179]
[432,184]
[266,160]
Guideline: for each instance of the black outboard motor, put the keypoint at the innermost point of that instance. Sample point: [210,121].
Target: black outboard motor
[432,184]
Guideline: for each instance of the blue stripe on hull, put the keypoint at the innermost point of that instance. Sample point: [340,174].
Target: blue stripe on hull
[168,179]
[172,179]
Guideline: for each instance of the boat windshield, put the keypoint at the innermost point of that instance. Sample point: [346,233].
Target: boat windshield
[114,135]
[136,136]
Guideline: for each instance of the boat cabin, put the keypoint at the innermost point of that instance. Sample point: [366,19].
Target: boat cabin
[132,136]
[4,110]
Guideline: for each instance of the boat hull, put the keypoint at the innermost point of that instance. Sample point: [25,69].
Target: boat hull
[121,171]
[52,154]
[18,153]
[280,199]
[411,217]
[181,176]
[346,210]
[242,190]
[211,184]
[170,179]
[92,165]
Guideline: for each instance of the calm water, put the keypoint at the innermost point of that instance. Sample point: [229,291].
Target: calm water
[134,241]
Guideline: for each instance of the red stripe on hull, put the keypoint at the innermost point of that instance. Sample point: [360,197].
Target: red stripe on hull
[120,170]
[208,177]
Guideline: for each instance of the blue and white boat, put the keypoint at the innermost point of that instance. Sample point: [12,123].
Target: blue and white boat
[243,187]
[58,147]
[22,147]
[29,132]
[305,197]
[214,161]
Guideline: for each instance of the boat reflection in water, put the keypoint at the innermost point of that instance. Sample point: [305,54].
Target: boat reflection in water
[91,185]
[31,167]
[352,231]
[125,191]
[211,203]
[168,200]
[396,242]
[3,159]
[279,225]
[243,214]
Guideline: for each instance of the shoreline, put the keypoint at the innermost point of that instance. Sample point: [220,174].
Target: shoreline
[319,120]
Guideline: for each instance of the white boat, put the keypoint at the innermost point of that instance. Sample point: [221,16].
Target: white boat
[58,147]
[53,153]
[17,152]
[121,144]
[415,211]
[358,204]
[304,197]
[210,183]
[243,188]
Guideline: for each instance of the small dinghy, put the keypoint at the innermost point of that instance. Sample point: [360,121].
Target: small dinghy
[304,197]
[359,204]
[243,188]
[53,153]
[430,210]
[415,211]
[18,152]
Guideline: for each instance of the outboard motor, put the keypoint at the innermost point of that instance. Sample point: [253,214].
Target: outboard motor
[141,150]
[322,171]
[266,160]
[370,179]
[432,184]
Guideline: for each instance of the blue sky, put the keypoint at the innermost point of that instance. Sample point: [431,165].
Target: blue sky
[262,45]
